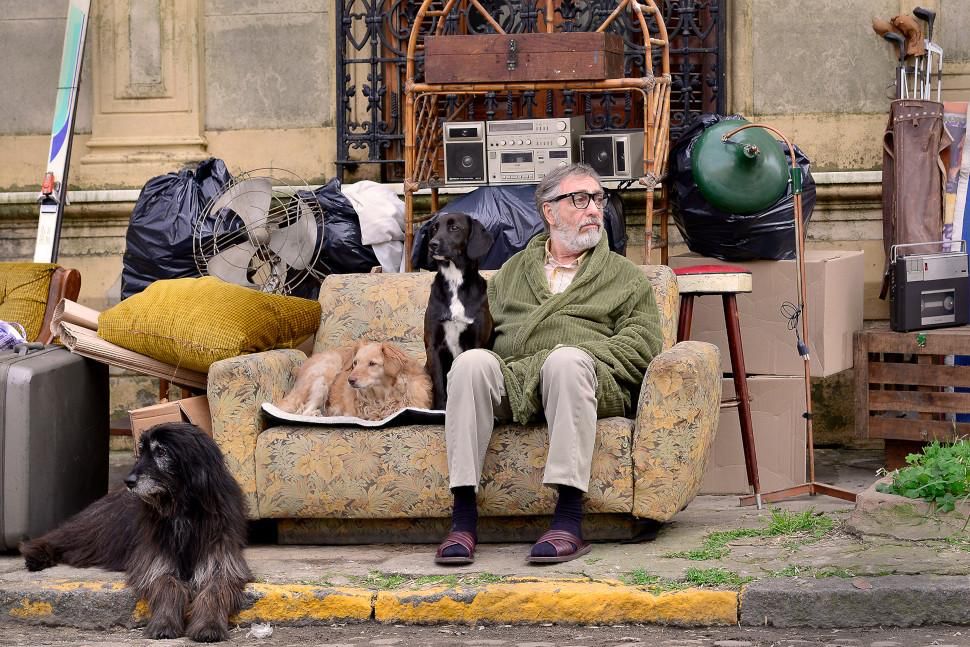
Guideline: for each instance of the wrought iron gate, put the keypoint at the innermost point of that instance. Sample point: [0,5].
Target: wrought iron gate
[372,40]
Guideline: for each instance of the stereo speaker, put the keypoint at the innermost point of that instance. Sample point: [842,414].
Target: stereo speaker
[615,155]
[464,144]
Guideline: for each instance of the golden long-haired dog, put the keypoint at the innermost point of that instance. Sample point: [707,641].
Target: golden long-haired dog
[370,380]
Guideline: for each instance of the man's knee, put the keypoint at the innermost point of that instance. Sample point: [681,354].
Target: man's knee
[472,363]
[568,360]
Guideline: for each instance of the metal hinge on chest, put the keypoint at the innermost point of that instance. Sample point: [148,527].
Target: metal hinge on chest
[512,56]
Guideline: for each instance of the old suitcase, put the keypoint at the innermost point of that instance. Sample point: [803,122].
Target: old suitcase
[53,438]
[501,58]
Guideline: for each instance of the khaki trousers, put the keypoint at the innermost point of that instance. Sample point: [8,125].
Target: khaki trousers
[476,398]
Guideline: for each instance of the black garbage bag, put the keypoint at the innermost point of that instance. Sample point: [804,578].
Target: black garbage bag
[343,252]
[508,212]
[158,243]
[768,234]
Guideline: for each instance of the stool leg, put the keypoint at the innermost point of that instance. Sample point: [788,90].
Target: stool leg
[683,320]
[732,322]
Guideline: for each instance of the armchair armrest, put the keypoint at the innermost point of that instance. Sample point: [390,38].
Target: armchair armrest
[676,420]
[237,388]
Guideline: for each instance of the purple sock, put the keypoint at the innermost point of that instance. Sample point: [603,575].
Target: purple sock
[568,516]
[464,516]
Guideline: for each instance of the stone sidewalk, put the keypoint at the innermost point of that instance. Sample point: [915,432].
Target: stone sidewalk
[828,579]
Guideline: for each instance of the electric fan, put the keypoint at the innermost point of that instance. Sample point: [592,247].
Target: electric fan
[264,230]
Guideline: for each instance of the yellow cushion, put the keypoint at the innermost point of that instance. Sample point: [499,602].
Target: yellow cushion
[191,323]
[23,294]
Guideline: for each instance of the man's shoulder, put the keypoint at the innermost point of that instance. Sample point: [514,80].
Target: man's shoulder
[624,265]
[512,266]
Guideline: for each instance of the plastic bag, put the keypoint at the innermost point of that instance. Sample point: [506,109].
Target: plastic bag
[509,213]
[768,234]
[158,243]
[11,334]
[343,252]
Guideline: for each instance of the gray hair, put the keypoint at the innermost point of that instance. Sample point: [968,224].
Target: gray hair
[549,187]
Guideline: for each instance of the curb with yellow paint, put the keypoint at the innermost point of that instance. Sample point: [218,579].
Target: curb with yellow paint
[97,604]
[558,601]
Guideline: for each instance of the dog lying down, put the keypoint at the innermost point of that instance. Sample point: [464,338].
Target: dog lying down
[370,381]
[177,529]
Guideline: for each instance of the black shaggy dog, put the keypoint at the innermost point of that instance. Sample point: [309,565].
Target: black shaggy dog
[177,529]
[457,317]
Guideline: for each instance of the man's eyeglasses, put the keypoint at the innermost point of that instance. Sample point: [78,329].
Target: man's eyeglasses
[581,199]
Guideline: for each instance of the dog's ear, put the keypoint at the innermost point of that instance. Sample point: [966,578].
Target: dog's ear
[395,359]
[479,240]
[347,354]
[421,256]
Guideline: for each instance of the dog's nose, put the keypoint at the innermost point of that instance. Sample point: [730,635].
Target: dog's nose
[131,481]
[352,381]
[434,244]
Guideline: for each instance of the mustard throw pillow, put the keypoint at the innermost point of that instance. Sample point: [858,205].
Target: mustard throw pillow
[23,294]
[191,323]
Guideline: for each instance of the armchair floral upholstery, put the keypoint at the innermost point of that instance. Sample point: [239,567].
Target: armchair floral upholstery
[649,466]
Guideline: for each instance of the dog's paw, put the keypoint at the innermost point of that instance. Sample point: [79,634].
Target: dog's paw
[208,634]
[37,555]
[162,631]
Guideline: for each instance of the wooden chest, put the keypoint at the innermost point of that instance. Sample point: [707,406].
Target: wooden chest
[503,58]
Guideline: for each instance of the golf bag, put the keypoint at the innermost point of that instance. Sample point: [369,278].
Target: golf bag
[913,177]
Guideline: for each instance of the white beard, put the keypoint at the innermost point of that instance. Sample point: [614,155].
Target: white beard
[576,243]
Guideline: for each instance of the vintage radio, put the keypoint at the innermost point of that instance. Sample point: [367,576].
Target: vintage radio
[464,144]
[523,151]
[615,155]
[929,290]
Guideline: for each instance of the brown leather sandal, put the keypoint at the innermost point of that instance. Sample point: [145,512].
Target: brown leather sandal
[567,546]
[461,538]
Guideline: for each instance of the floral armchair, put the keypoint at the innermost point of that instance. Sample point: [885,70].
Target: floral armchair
[349,484]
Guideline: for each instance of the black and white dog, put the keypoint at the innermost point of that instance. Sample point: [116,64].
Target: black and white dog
[177,529]
[457,317]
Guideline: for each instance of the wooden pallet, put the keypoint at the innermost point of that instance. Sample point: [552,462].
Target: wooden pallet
[901,388]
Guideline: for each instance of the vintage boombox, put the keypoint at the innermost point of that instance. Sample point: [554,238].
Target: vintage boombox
[929,290]
[615,155]
[464,143]
[523,151]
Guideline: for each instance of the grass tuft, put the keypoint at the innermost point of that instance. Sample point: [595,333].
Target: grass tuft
[801,525]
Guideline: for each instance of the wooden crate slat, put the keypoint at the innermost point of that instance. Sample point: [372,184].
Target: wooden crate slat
[860,370]
[947,341]
[916,430]
[918,401]
[919,374]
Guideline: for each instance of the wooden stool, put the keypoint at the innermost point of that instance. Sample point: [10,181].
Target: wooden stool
[727,281]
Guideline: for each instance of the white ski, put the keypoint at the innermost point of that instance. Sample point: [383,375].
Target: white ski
[54,188]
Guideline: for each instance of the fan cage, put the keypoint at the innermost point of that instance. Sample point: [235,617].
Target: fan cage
[220,231]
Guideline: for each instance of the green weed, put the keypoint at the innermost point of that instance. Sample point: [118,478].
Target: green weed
[714,577]
[386,581]
[653,583]
[782,523]
[939,475]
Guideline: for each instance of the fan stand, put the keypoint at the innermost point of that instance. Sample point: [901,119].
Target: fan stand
[812,487]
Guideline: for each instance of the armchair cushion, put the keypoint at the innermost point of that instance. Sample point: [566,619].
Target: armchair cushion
[23,294]
[194,322]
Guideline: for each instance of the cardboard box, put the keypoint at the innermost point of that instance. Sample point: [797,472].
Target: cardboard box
[777,404]
[834,279]
[194,410]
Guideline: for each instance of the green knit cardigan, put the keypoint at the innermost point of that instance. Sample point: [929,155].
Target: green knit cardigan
[608,310]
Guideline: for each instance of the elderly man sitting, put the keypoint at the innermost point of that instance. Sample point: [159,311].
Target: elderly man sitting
[575,327]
